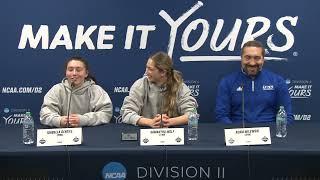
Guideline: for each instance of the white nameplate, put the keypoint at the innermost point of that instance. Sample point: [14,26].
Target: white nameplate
[59,136]
[247,136]
[162,136]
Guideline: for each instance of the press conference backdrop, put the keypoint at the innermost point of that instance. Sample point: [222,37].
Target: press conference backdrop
[117,37]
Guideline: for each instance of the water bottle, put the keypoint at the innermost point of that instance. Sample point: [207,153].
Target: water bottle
[281,122]
[193,125]
[28,129]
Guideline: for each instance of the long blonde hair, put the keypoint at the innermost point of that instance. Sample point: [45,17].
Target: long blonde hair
[163,62]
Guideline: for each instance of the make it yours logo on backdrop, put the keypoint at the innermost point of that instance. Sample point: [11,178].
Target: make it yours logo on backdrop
[13,116]
[300,90]
[255,27]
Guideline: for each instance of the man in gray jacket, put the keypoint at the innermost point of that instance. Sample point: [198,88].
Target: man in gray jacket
[90,104]
[159,99]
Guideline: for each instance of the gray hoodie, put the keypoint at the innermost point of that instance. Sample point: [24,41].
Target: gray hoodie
[90,101]
[145,98]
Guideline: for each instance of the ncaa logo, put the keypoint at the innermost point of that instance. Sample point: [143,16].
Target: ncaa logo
[288,81]
[114,171]
[6,110]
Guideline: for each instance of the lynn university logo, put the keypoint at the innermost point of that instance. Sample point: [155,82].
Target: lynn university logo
[114,171]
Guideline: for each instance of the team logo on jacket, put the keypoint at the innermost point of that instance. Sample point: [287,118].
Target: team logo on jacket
[267,87]
[239,88]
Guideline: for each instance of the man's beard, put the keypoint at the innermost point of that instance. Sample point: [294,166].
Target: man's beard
[252,70]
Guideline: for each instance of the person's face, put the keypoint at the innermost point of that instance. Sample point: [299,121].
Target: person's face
[76,72]
[154,74]
[252,60]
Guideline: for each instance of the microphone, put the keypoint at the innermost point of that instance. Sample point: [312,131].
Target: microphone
[242,103]
[69,103]
[162,89]
[242,106]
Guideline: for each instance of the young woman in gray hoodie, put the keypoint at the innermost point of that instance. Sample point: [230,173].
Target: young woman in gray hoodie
[160,98]
[90,104]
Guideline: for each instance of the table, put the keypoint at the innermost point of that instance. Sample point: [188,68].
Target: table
[294,157]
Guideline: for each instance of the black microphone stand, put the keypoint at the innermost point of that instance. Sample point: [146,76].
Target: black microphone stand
[242,105]
[69,103]
[161,104]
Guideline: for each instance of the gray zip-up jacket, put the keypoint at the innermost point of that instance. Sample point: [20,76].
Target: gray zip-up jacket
[145,98]
[90,101]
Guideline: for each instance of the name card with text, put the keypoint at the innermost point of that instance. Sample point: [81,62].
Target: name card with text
[58,137]
[162,136]
[247,136]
